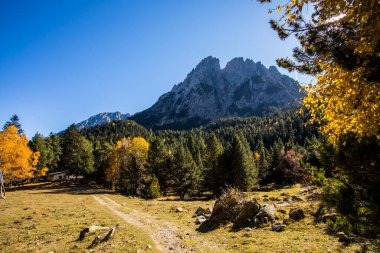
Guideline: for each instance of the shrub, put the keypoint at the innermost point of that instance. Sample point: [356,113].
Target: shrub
[318,176]
[227,207]
[289,170]
[154,190]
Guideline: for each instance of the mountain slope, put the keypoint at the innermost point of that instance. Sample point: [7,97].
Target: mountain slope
[102,118]
[242,88]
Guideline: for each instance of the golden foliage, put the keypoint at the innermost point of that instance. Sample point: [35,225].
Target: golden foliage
[256,156]
[137,147]
[17,161]
[344,102]
[343,99]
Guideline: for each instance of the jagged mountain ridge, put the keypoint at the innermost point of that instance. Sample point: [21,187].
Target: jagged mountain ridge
[242,88]
[102,118]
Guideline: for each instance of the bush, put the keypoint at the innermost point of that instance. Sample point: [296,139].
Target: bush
[318,176]
[154,190]
[340,224]
[289,171]
[227,207]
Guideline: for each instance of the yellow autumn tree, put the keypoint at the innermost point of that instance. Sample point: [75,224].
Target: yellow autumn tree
[344,102]
[339,44]
[126,165]
[17,161]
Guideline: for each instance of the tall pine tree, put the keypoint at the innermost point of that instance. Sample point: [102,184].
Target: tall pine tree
[245,173]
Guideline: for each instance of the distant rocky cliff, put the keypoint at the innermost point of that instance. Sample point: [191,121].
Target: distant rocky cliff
[102,118]
[242,88]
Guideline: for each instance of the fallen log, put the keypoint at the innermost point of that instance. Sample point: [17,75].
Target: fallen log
[109,234]
[95,242]
[90,230]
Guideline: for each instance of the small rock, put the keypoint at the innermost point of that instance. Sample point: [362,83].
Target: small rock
[179,209]
[329,216]
[201,211]
[278,227]
[343,237]
[296,214]
[283,204]
[247,229]
[148,246]
[303,191]
[296,198]
[314,196]
[200,219]
[286,221]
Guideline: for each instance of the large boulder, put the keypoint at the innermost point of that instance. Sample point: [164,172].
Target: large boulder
[266,213]
[248,213]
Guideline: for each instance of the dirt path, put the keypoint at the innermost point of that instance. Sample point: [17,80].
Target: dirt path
[166,235]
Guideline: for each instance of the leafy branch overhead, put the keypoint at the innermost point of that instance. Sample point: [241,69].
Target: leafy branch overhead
[339,43]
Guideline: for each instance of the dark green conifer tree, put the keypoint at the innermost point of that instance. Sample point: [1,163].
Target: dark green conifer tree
[40,144]
[189,178]
[56,152]
[159,163]
[245,173]
[15,121]
[77,156]
[214,173]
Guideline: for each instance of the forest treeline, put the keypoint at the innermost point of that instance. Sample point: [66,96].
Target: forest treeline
[239,152]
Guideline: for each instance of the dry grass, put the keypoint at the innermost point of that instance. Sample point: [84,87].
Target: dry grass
[43,218]
[303,236]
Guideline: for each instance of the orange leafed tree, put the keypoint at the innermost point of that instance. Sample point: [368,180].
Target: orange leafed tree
[17,161]
[127,158]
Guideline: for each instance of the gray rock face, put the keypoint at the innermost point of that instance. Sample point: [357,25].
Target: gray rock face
[242,88]
[247,214]
[102,118]
[267,213]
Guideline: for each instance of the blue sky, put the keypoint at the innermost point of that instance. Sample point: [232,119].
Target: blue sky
[63,61]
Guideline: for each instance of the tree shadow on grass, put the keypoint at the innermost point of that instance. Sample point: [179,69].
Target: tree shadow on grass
[194,199]
[206,227]
[44,185]
[65,188]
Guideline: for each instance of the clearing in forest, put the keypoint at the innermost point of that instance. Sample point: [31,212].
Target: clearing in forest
[49,217]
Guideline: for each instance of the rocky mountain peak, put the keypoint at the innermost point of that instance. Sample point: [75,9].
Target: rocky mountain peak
[242,88]
[239,69]
[208,64]
[102,118]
